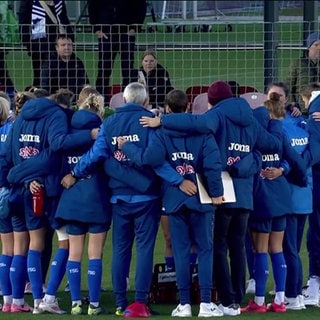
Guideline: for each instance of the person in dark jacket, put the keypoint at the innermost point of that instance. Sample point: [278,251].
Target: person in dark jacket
[115,23]
[304,70]
[39,32]
[63,69]
[156,79]
[190,220]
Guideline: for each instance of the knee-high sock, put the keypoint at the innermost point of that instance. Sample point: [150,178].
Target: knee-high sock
[18,276]
[5,264]
[35,273]
[94,279]
[74,278]
[57,270]
[261,273]
[279,268]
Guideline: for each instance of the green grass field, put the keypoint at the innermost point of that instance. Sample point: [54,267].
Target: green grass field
[107,298]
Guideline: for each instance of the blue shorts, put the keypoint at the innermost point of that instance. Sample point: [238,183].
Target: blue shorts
[23,218]
[268,225]
[6,225]
[77,228]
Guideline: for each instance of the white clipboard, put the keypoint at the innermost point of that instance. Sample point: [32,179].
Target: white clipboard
[229,194]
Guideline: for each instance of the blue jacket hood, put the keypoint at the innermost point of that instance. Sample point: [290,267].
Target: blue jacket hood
[262,115]
[236,110]
[85,120]
[38,108]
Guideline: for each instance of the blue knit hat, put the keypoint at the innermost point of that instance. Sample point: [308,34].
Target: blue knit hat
[313,37]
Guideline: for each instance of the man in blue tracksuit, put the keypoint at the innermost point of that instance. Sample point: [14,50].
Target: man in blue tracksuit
[237,134]
[135,214]
[190,221]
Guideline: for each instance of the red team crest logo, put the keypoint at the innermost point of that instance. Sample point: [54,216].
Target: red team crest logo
[232,160]
[185,169]
[119,155]
[28,152]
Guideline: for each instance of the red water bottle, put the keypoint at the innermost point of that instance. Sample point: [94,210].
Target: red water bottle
[37,202]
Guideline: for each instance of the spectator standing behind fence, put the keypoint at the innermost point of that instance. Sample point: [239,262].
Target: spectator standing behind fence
[155,77]
[40,23]
[304,70]
[115,24]
[63,69]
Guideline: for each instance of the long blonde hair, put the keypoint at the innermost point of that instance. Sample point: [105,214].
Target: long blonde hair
[20,98]
[95,103]
[4,110]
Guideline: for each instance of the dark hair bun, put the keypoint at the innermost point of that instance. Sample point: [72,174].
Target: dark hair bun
[274,96]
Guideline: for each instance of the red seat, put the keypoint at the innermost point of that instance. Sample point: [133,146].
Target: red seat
[246,89]
[193,91]
[113,89]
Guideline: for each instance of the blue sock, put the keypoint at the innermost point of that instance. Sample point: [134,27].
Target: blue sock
[35,273]
[57,270]
[94,279]
[18,276]
[74,278]
[261,273]
[169,263]
[279,269]
[5,264]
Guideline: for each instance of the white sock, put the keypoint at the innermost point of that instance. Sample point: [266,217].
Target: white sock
[95,304]
[48,298]
[77,302]
[259,300]
[7,299]
[279,298]
[18,302]
[36,302]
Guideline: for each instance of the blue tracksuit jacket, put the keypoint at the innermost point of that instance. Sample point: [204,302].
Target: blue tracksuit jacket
[301,197]
[271,198]
[188,155]
[40,129]
[125,121]
[237,133]
[87,200]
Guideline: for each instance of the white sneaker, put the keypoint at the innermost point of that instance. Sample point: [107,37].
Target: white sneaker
[37,310]
[301,301]
[182,310]
[251,288]
[292,303]
[310,300]
[51,307]
[209,310]
[232,310]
